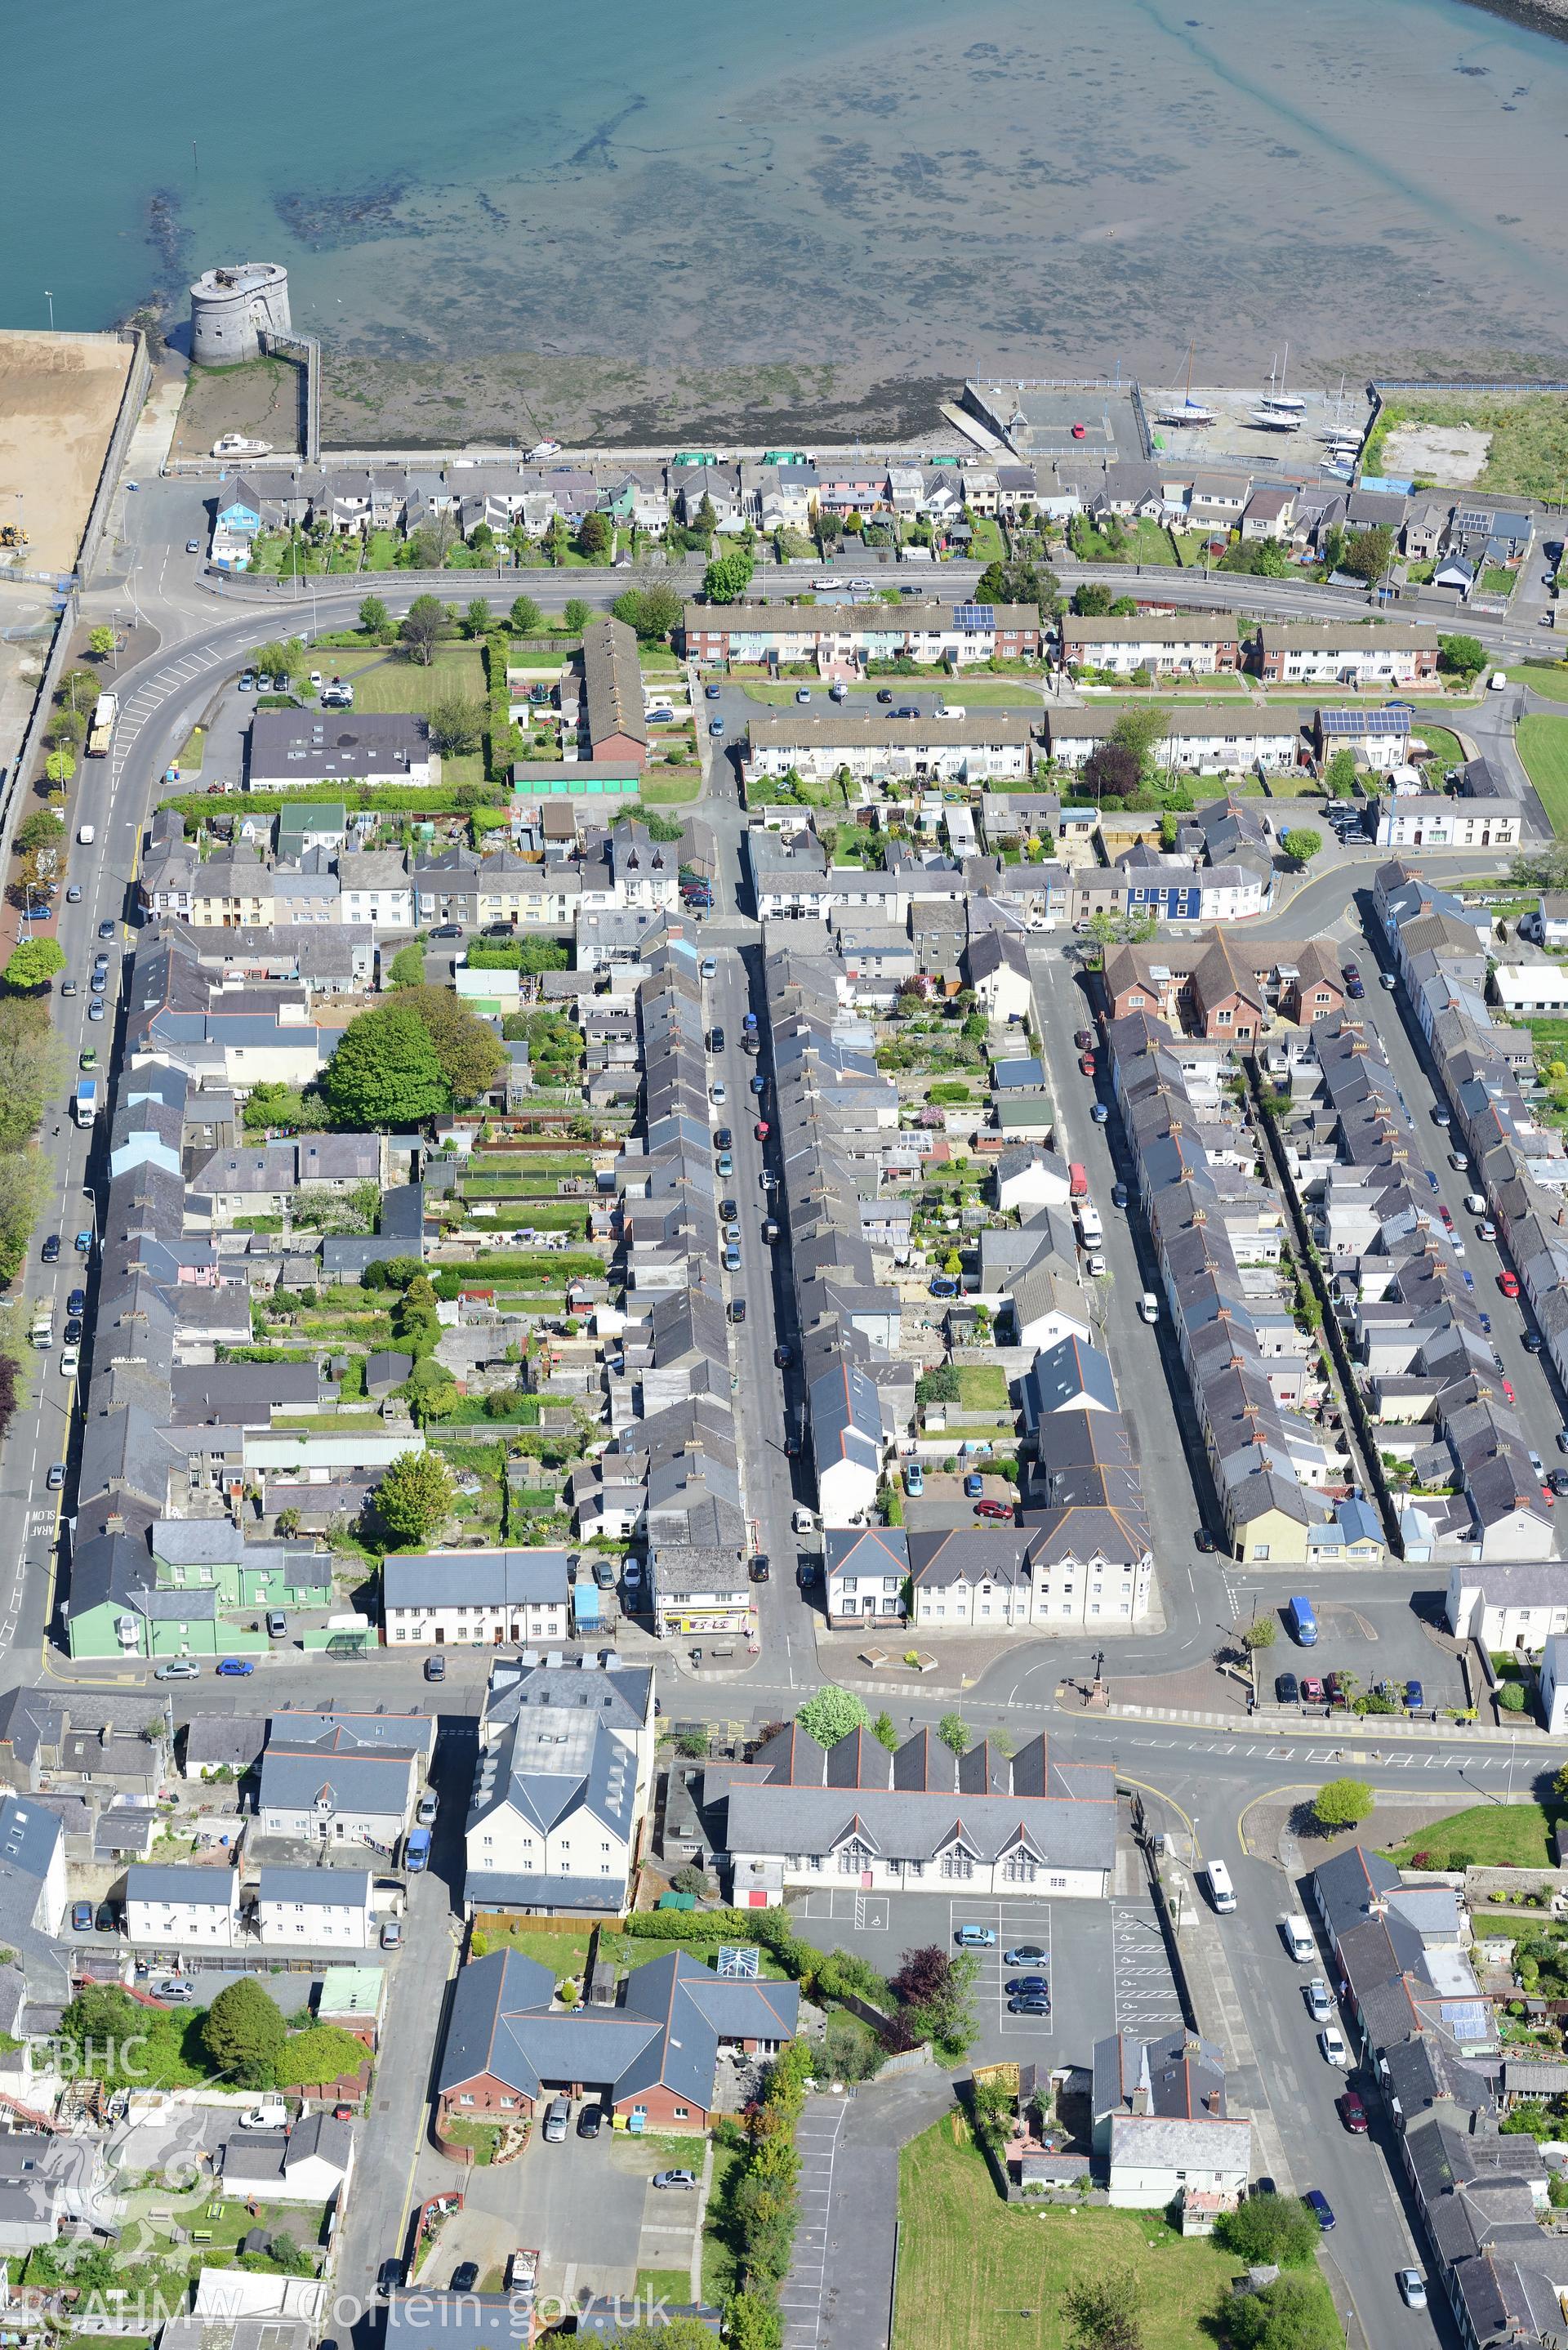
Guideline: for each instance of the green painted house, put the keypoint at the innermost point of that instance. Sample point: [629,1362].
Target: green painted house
[194,1587]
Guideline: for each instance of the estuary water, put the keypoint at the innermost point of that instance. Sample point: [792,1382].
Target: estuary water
[1029,185]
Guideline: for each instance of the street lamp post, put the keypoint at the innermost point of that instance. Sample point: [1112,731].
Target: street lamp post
[50,300]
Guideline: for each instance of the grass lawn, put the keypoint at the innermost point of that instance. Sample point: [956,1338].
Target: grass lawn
[1550,1038]
[1529,450]
[564,1954]
[1497,579]
[672,788]
[188,758]
[1543,747]
[982,1386]
[673,2285]
[1548,678]
[384,684]
[1492,1836]
[988,545]
[1443,746]
[969,2263]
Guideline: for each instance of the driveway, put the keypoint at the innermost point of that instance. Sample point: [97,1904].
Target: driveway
[589,2207]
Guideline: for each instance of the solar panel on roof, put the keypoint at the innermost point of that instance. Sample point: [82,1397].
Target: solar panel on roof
[974,615]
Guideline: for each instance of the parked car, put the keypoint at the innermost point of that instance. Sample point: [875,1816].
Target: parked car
[590,2121]
[991,1509]
[51,1249]
[1415,1697]
[1411,2287]
[1086,1063]
[1508,1282]
[173,1993]
[81,1916]
[1026,1954]
[675,2178]
[1287,1690]
[1318,2204]
[1118,1195]
[235,1668]
[392,1934]
[263,2118]
[1353,2114]
[1319,2005]
[57,1476]
[783,1357]
[1100,1114]
[1203,1540]
[1030,2003]
[976,1938]
[430,1802]
[1029,1984]
[555,2120]
[1331,2042]
[465,2276]
[435,1669]
[1312,1690]
[177,1669]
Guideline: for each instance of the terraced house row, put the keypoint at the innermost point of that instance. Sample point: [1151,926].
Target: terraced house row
[1428,1373]
[1258,1391]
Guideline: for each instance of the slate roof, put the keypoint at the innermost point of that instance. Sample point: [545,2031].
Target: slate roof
[665,2033]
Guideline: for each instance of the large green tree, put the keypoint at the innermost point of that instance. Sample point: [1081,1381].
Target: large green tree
[457,724]
[27,1186]
[422,628]
[386,1072]
[32,1056]
[413,1497]
[1140,730]
[1271,2228]
[375,620]
[594,536]
[1461,656]
[1105,2310]
[727,578]
[1369,553]
[34,963]
[1295,2313]
[468,1048]
[526,617]
[1341,1803]
[652,611]
[244,2032]
[1301,844]
[831,1713]
[1339,774]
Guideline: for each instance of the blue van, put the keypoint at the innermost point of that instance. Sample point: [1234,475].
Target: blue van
[417,1853]
[1300,1623]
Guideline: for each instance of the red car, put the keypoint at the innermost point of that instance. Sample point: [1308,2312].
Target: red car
[1312,1690]
[991,1509]
[761,1129]
[1353,2113]
[1549,1497]
[1509,1283]
[1507,1387]
[1086,1063]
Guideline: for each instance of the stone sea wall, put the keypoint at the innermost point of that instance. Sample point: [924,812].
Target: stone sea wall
[1539,15]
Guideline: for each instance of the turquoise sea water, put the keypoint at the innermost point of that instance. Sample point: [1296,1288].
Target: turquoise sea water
[1027,183]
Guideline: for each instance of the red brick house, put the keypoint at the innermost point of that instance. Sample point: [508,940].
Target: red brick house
[1209,987]
[652,2058]
[612,707]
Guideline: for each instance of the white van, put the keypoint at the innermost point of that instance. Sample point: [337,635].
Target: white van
[1298,1938]
[1221,1891]
[86,833]
[804,1522]
[1497,681]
